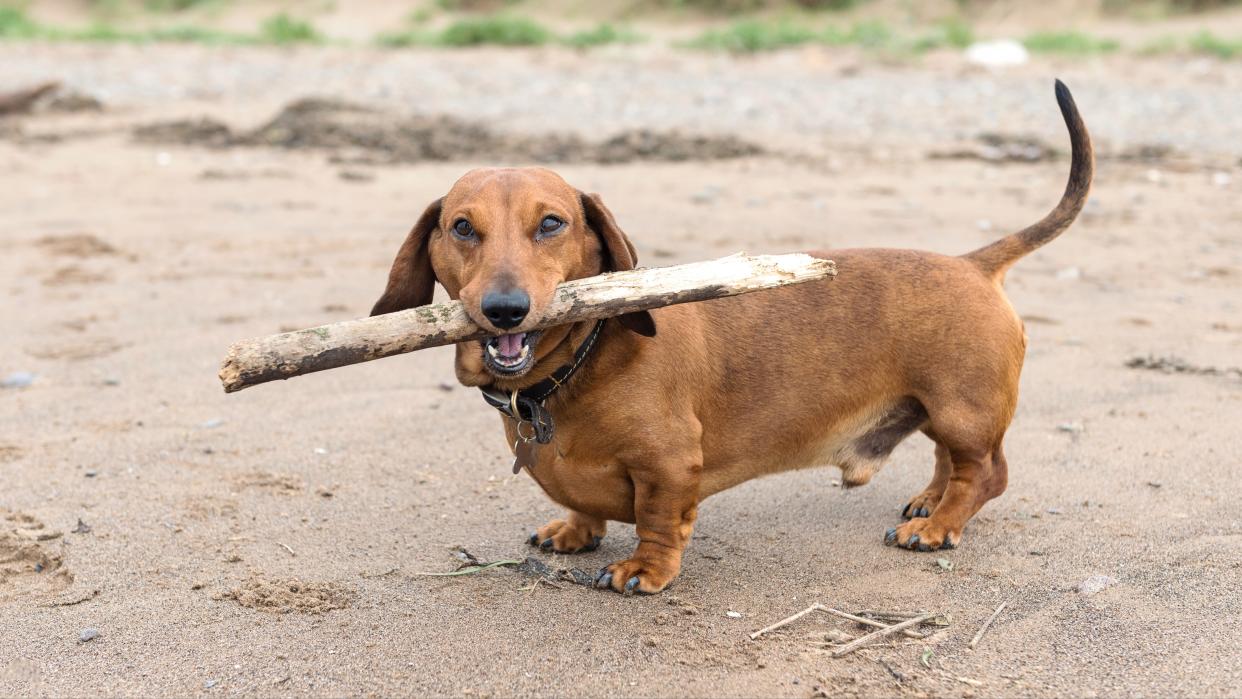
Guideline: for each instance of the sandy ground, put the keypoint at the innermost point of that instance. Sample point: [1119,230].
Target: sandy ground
[269,542]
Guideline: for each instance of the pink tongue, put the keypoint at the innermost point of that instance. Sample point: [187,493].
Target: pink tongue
[511,345]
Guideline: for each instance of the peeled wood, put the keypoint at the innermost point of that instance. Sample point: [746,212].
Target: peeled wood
[290,354]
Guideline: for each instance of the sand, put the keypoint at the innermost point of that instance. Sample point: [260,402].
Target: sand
[270,542]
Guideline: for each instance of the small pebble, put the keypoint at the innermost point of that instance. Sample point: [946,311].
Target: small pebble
[18,379]
[1095,583]
[209,684]
[838,636]
[212,423]
[733,615]
[88,634]
[91,473]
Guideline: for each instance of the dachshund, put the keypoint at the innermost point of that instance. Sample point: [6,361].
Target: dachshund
[641,417]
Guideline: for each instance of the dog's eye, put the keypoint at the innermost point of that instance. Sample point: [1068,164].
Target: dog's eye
[550,225]
[462,229]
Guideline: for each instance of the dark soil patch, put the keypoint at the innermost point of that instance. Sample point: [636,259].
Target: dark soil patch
[356,134]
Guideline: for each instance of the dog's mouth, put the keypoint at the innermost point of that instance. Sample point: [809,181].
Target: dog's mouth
[509,355]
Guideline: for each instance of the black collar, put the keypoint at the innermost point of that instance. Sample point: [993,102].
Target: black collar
[526,405]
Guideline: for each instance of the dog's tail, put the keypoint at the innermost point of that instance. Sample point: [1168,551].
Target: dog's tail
[998,257]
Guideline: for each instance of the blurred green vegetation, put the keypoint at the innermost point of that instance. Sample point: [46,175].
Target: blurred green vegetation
[1209,43]
[283,29]
[1069,42]
[748,36]
[278,29]
[743,6]
[766,25]
[602,35]
[500,30]
[505,30]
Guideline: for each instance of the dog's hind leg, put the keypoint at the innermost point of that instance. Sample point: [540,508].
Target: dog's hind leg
[577,533]
[977,473]
[923,504]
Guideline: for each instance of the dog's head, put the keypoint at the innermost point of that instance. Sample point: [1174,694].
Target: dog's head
[500,241]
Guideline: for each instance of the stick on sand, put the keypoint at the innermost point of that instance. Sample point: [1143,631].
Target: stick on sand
[877,635]
[284,356]
[988,624]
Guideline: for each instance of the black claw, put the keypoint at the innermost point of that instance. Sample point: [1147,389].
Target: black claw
[630,585]
[603,579]
[922,512]
[890,537]
[905,511]
[546,545]
[913,542]
[948,544]
[595,542]
[534,539]
[924,547]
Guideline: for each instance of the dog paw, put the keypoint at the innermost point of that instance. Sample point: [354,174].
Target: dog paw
[921,505]
[634,576]
[922,535]
[562,537]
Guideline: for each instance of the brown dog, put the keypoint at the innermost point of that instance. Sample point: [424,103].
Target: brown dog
[650,414]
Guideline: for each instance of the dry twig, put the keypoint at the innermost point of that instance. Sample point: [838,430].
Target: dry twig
[909,633]
[788,620]
[879,634]
[988,624]
[290,354]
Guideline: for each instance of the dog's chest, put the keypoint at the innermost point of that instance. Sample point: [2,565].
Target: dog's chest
[579,475]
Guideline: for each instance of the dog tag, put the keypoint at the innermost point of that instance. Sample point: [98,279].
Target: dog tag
[524,455]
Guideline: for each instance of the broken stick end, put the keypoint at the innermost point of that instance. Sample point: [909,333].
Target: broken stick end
[230,373]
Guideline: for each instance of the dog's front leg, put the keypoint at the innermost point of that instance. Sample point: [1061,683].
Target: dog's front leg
[666,502]
[577,533]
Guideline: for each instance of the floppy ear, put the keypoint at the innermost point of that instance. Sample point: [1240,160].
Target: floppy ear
[619,255]
[411,282]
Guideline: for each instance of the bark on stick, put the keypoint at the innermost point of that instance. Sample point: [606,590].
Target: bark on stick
[283,356]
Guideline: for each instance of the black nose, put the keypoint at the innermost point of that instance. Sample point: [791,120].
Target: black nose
[506,309]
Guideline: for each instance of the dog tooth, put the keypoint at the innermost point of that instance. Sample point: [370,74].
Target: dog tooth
[491,349]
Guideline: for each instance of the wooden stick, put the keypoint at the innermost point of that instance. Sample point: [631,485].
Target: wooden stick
[900,616]
[788,620]
[909,633]
[284,356]
[987,624]
[877,635]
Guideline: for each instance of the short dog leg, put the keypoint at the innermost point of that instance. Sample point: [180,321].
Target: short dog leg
[923,504]
[664,519]
[577,533]
[970,486]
